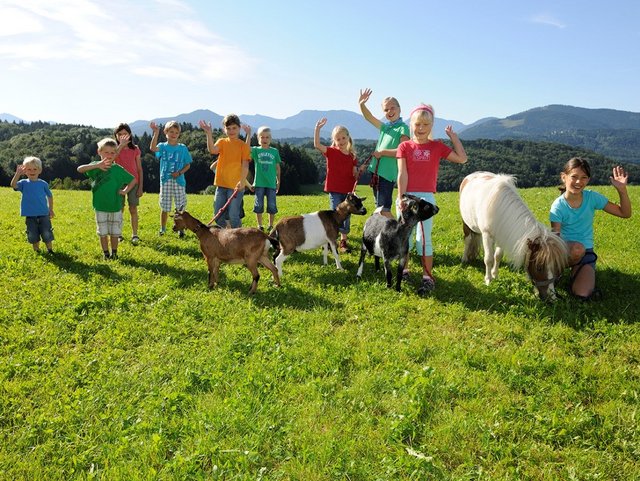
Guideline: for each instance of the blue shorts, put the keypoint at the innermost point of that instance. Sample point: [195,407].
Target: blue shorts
[39,228]
[258,205]
[384,194]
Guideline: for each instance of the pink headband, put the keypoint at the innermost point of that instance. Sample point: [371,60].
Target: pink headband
[427,108]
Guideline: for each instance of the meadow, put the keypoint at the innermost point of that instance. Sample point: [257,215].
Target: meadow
[133,370]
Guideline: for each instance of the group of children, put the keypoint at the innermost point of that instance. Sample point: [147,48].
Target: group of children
[404,157]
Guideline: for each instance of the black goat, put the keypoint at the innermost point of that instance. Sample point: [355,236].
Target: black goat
[389,238]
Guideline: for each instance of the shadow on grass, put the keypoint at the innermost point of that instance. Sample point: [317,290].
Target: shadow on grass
[68,263]
[184,277]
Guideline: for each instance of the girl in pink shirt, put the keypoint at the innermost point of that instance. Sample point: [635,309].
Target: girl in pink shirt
[129,159]
[418,164]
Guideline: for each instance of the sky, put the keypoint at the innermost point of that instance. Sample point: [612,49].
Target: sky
[102,62]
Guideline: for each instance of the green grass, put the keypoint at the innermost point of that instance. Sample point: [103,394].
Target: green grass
[133,370]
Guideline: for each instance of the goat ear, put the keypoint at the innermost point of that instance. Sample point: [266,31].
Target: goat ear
[363,199]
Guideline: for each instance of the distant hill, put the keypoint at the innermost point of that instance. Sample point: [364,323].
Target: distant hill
[614,133]
[10,118]
[297,126]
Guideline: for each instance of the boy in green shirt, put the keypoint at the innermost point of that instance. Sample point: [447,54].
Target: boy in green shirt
[109,184]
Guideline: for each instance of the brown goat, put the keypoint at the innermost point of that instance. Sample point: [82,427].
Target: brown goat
[309,231]
[244,245]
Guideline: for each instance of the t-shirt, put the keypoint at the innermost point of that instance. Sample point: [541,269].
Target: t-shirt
[265,161]
[231,154]
[389,138]
[172,159]
[127,159]
[34,197]
[340,178]
[423,162]
[576,225]
[105,186]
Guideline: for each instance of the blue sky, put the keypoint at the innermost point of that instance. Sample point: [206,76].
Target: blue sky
[99,62]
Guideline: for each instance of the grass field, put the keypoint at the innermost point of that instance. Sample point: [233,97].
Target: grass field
[133,370]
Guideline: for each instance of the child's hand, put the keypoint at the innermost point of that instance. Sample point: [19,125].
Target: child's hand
[205,126]
[51,214]
[376,154]
[20,169]
[619,177]
[104,164]
[247,129]
[123,192]
[449,131]
[124,139]
[364,96]
[321,123]
[153,127]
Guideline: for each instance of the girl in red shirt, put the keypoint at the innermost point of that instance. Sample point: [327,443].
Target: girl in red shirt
[341,170]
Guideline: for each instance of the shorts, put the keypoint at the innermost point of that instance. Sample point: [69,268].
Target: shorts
[589,258]
[172,191]
[132,197]
[383,193]
[39,227]
[109,223]
[258,205]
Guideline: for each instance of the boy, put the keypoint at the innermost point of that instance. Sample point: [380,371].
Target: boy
[232,168]
[107,181]
[385,168]
[266,182]
[36,205]
[175,160]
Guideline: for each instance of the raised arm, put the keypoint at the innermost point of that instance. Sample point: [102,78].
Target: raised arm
[153,146]
[247,134]
[619,180]
[316,135]
[366,113]
[459,156]
[17,175]
[211,146]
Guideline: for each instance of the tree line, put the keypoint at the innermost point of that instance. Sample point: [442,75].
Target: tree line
[63,147]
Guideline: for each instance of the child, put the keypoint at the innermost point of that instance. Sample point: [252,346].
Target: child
[129,158]
[36,205]
[266,182]
[385,168]
[572,215]
[110,183]
[232,168]
[175,160]
[418,164]
[341,171]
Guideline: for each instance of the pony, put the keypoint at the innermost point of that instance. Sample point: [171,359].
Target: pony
[492,210]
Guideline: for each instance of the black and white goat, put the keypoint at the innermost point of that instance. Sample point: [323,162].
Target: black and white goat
[309,231]
[389,238]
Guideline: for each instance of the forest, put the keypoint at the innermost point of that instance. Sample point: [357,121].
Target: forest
[63,147]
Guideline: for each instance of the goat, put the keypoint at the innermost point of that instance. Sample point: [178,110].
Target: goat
[244,245]
[389,238]
[309,231]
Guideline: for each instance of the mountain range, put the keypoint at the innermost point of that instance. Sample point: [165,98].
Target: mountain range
[614,133]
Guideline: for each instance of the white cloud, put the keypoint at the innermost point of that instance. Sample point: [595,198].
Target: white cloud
[546,19]
[164,34]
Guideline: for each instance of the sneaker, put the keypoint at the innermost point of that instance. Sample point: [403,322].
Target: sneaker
[181,234]
[261,228]
[120,239]
[344,247]
[135,240]
[107,256]
[405,276]
[427,285]
[162,231]
[114,256]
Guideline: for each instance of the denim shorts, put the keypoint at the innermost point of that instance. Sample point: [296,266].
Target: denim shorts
[384,194]
[258,205]
[39,228]
[336,198]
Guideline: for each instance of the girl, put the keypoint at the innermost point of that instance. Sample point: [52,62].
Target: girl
[572,215]
[129,158]
[341,171]
[418,163]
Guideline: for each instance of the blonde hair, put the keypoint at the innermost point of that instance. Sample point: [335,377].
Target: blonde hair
[426,112]
[338,129]
[108,142]
[32,160]
[264,129]
[171,124]
[391,99]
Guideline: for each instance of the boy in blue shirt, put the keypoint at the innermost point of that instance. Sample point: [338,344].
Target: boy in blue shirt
[37,203]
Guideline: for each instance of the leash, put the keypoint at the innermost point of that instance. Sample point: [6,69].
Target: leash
[223,208]
[364,164]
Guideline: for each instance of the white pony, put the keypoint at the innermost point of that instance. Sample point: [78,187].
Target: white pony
[492,208]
